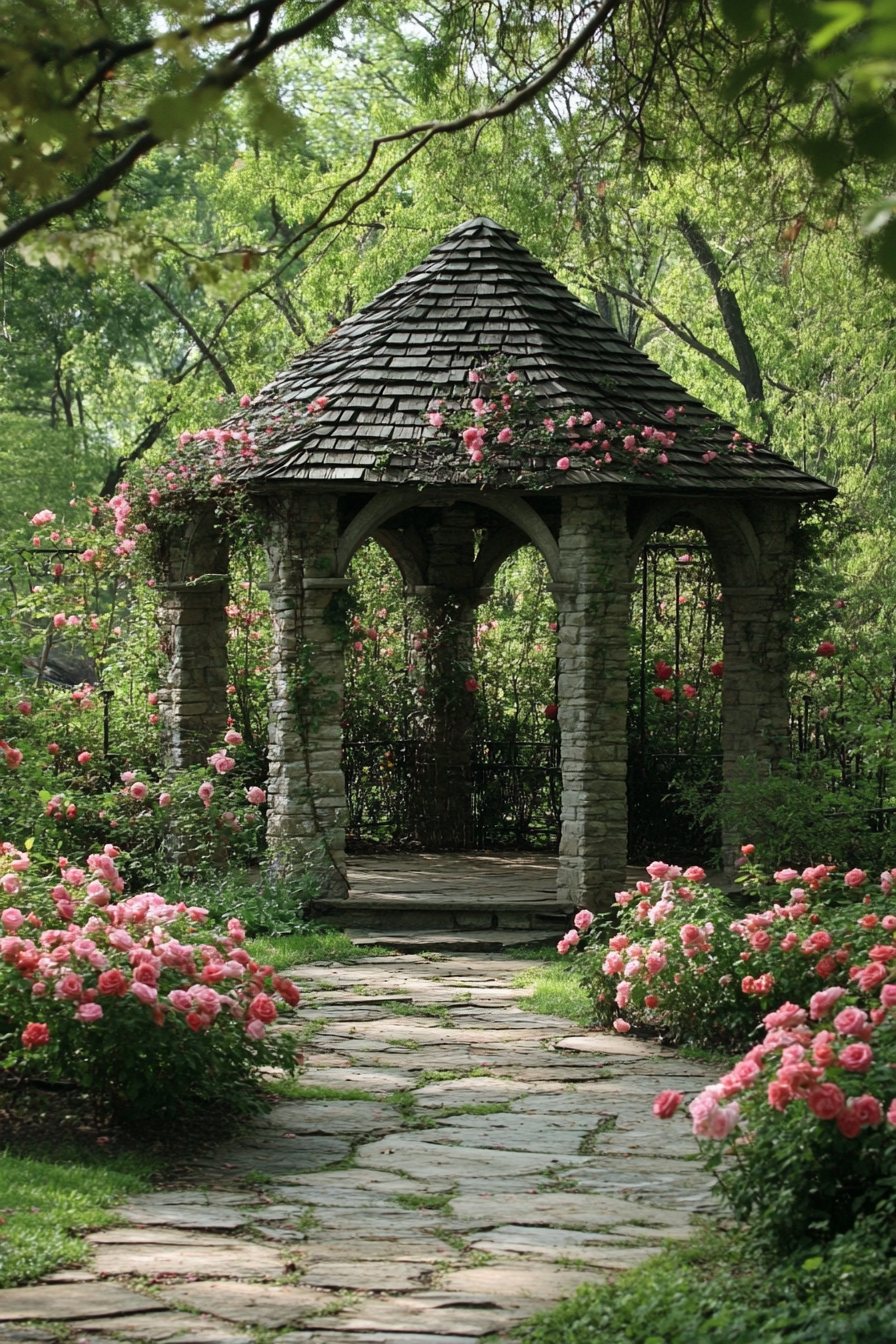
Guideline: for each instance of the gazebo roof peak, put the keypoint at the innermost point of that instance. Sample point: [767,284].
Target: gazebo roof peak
[479,293]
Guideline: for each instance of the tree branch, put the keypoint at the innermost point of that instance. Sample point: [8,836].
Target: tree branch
[225,79]
[749,373]
[194,336]
[679,329]
[221,80]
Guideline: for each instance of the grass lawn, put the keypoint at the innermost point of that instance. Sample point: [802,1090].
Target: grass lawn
[282,950]
[721,1290]
[43,1204]
[558,991]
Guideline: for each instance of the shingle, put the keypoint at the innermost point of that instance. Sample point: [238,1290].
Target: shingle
[479,291]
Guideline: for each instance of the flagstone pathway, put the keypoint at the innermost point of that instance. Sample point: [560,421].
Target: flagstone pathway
[482,1162]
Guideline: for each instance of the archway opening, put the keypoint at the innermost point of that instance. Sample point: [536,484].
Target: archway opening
[505,752]
[675,701]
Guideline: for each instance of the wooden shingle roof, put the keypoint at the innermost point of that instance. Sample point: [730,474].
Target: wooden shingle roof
[479,293]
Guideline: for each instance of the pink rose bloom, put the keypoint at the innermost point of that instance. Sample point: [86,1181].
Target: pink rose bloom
[694,873]
[621,1025]
[856,1058]
[255,1029]
[88,1012]
[855,877]
[848,1121]
[744,1074]
[11,918]
[139,791]
[583,920]
[83,757]
[786,875]
[222,762]
[780,1094]
[667,1103]
[825,1100]
[68,987]
[723,1120]
[851,1022]
[256,796]
[821,1003]
[623,993]
[760,941]
[572,937]
[233,738]
[205,792]
[788,1015]
[74,876]
[120,939]
[11,884]
[655,963]
[180,999]
[689,934]
[868,1109]
[164,799]
[701,1110]
[613,963]
[563,464]
[563,947]
[505,435]
[888,996]
[657,870]
[147,994]
[868,977]
[891,1113]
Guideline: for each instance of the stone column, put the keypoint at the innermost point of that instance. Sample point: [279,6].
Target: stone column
[593,598]
[306,786]
[445,609]
[758,626]
[193,595]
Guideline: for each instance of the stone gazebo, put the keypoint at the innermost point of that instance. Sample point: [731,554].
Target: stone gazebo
[368,465]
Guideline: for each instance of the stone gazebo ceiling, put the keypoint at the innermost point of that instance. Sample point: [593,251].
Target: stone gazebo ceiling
[479,293]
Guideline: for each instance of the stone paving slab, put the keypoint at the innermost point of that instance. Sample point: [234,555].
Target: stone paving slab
[163,1327]
[239,1260]
[271,1305]
[370,1080]
[77,1301]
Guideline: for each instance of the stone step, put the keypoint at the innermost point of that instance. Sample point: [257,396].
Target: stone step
[449,940]
[403,914]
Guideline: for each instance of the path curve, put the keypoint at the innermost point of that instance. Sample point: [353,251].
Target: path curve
[494,1160]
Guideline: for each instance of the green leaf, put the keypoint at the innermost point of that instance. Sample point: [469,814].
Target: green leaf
[879,214]
[814,1262]
[841,15]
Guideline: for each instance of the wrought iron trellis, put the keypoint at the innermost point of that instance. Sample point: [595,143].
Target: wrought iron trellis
[675,745]
[515,787]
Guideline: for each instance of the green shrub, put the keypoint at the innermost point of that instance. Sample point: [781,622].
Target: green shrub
[684,961]
[137,1001]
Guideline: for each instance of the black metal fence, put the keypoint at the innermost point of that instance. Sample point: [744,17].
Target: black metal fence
[515,792]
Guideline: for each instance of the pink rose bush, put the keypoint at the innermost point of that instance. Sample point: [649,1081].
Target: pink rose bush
[686,964]
[133,997]
[802,1130]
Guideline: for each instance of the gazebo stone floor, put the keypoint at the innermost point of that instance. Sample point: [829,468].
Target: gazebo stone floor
[469,902]
[393,1209]
[481,901]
